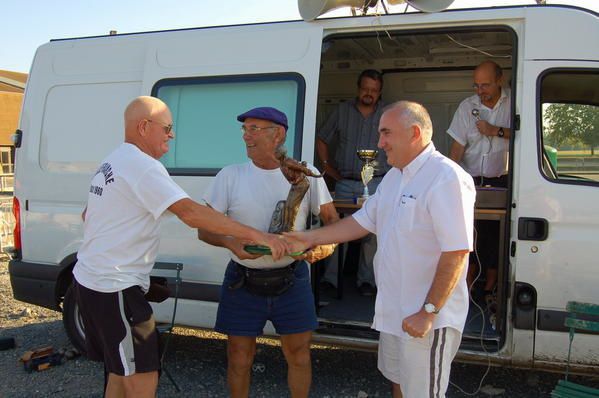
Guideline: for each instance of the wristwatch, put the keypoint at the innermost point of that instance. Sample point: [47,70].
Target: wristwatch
[500,132]
[430,308]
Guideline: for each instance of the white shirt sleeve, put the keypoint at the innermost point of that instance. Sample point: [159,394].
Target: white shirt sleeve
[461,123]
[156,190]
[451,205]
[217,194]
[366,216]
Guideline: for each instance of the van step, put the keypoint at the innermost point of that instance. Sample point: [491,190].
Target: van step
[347,329]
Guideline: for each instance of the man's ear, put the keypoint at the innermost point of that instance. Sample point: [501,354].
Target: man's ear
[280,135]
[142,127]
[416,133]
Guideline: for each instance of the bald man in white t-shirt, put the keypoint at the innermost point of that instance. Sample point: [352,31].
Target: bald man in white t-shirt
[129,193]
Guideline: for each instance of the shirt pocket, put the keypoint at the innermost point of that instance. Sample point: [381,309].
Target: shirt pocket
[407,212]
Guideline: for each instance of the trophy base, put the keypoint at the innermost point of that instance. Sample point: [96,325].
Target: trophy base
[265,250]
[361,199]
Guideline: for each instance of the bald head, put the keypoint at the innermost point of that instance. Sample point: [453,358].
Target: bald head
[488,79]
[148,125]
[409,114]
[490,68]
[139,109]
[405,130]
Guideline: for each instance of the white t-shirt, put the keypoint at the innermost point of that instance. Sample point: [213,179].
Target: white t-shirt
[249,194]
[417,214]
[483,156]
[128,194]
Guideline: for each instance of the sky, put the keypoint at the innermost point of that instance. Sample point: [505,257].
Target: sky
[27,24]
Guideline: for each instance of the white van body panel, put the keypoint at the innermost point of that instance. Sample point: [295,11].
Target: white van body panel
[65,138]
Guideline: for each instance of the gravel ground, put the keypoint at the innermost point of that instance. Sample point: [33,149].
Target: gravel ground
[197,361]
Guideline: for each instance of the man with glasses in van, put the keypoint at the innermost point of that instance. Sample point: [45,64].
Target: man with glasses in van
[354,125]
[129,194]
[248,193]
[480,130]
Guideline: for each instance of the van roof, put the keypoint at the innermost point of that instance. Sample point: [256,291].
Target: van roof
[333,18]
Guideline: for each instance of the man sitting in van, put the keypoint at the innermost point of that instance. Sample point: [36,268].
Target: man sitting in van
[480,132]
[355,125]
[249,193]
[128,195]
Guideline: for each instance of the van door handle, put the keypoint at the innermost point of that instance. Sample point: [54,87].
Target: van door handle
[530,228]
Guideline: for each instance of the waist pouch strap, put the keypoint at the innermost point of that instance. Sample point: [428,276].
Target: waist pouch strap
[265,282]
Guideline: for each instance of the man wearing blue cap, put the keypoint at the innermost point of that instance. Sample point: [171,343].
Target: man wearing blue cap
[257,288]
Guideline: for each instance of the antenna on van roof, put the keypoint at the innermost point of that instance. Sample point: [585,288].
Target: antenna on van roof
[311,9]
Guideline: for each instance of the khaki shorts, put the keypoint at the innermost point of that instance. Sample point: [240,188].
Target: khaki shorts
[420,366]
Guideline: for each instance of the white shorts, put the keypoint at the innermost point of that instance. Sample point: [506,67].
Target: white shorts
[421,366]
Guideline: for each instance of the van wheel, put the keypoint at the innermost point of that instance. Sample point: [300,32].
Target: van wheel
[71,318]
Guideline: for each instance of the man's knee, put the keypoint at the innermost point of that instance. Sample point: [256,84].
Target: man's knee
[240,354]
[297,351]
[140,384]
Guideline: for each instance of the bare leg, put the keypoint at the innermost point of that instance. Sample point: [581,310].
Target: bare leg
[138,385]
[471,275]
[296,348]
[115,387]
[240,356]
[491,275]
[396,391]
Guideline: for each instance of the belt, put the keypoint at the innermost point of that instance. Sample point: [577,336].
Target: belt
[249,270]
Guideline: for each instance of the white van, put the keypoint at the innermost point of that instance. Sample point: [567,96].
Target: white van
[548,216]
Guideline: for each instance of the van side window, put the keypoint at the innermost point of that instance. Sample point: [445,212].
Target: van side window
[207,133]
[570,126]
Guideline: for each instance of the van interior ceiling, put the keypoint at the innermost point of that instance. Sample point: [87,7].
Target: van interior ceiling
[433,68]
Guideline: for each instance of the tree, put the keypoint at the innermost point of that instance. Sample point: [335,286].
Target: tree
[572,124]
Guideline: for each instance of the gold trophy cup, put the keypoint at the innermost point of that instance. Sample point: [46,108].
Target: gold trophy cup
[368,156]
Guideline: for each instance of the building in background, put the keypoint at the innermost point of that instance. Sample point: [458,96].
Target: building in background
[12,86]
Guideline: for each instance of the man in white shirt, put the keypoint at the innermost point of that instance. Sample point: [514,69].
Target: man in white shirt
[248,193]
[129,193]
[422,214]
[480,130]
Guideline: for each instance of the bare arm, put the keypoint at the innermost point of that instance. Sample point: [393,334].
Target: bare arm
[84,213]
[228,242]
[342,231]
[490,130]
[322,149]
[328,215]
[203,217]
[456,152]
[449,269]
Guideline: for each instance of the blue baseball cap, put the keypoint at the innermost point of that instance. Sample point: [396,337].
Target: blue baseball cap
[265,113]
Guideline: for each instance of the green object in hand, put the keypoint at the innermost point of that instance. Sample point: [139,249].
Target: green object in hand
[265,250]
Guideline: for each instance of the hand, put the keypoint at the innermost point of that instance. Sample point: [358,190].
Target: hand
[317,253]
[237,247]
[418,324]
[277,244]
[298,242]
[485,128]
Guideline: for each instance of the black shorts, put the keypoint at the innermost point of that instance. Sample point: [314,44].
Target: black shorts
[119,330]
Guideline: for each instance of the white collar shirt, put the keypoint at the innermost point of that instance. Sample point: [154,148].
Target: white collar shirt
[417,214]
[483,155]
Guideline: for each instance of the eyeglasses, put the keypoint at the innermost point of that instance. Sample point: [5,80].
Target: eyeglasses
[484,86]
[255,129]
[168,128]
